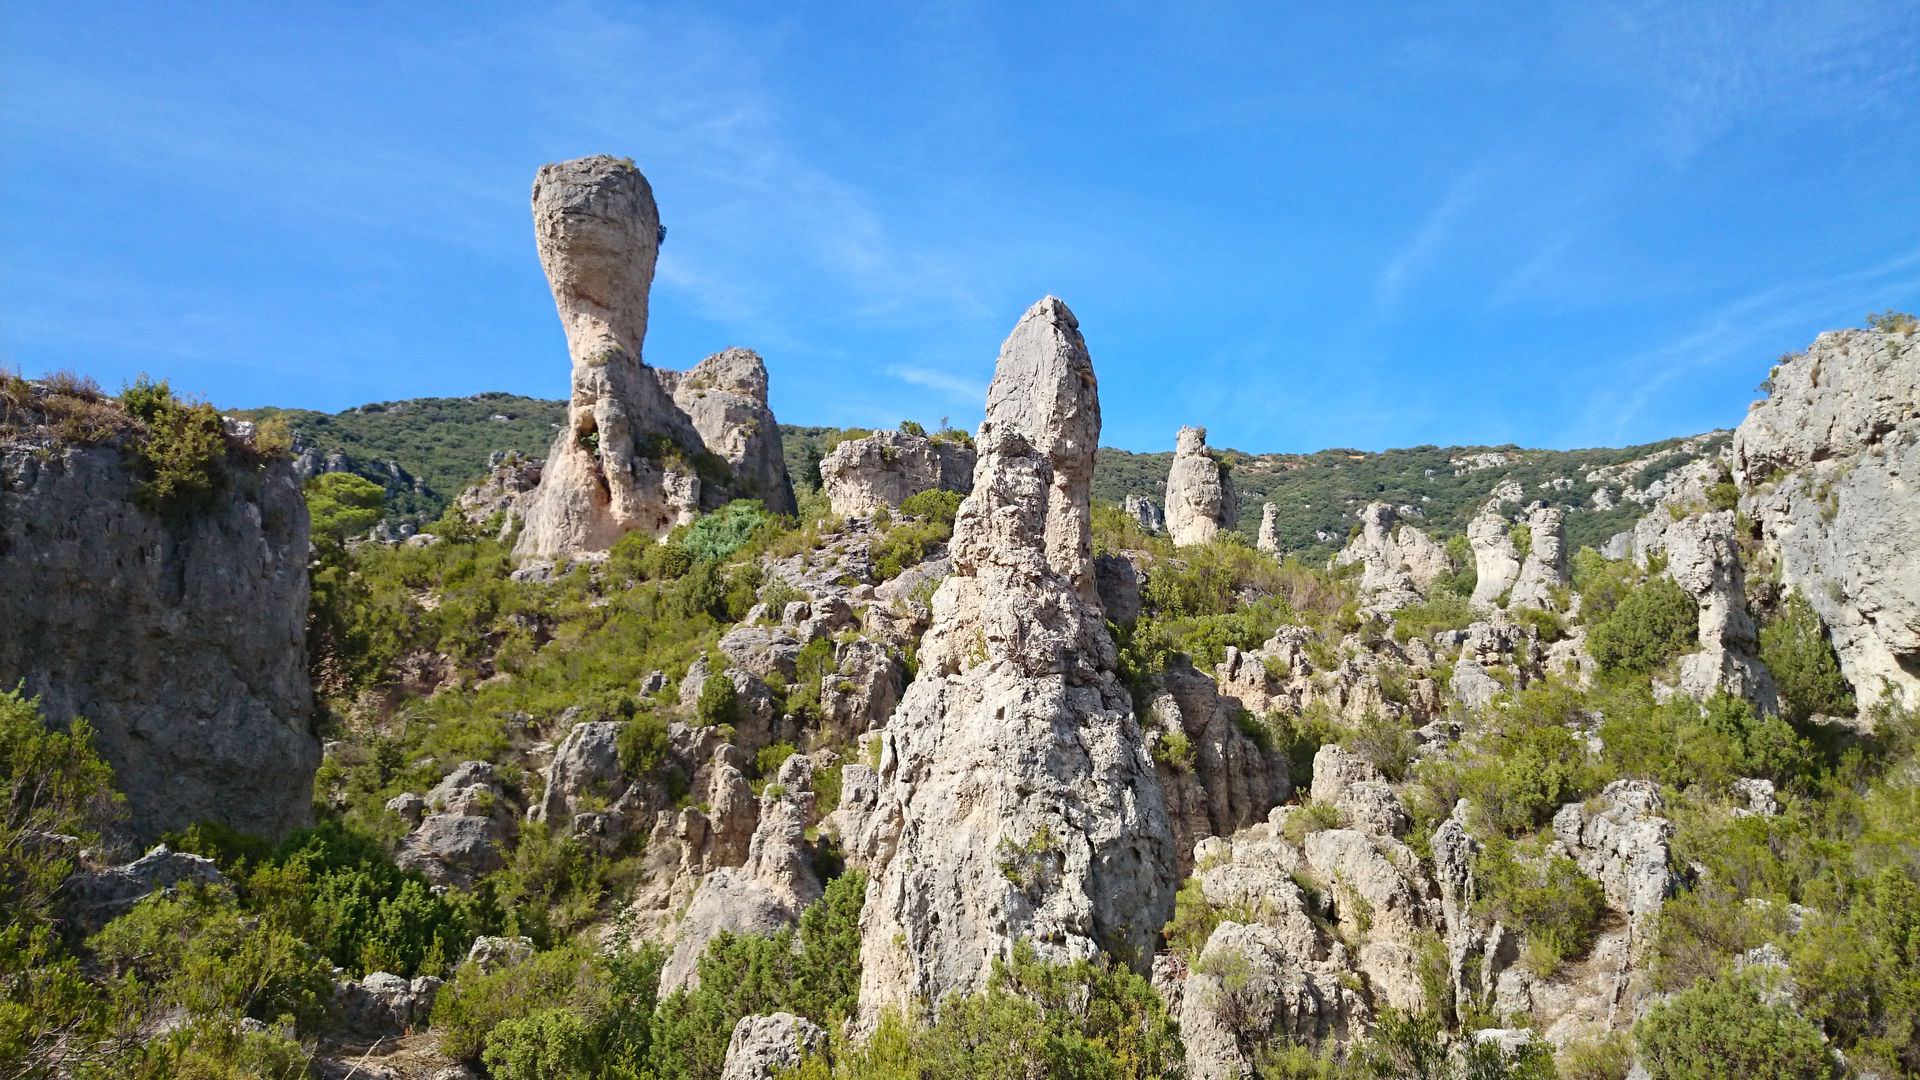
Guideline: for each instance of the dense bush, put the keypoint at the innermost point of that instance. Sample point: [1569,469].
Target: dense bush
[926,523]
[1652,623]
[1680,741]
[1525,762]
[718,535]
[1794,646]
[342,505]
[182,450]
[1555,906]
[1723,1029]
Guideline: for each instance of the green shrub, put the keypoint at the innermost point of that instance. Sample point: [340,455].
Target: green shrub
[52,783]
[1445,611]
[1723,1029]
[342,505]
[1174,750]
[473,1003]
[183,449]
[1680,741]
[1526,762]
[718,535]
[1653,622]
[719,701]
[1794,646]
[766,763]
[642,743]
[1547,625]
[1546,897]
[551,1044]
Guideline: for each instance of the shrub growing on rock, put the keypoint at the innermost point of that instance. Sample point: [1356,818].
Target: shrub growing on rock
[1723,1029]
[1652,623]
[1794,646]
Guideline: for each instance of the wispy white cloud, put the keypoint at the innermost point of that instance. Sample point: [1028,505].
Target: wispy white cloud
[960,389]
[1425,246]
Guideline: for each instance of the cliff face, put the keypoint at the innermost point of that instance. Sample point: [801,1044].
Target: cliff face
[181,638]
[1831,466]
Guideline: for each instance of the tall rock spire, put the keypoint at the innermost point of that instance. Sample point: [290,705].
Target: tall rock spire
[1018,800]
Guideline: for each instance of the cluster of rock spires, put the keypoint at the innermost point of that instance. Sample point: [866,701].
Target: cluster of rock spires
[639,442]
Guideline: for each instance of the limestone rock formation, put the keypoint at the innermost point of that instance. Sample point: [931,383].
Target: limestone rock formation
[180,637]
[1016,797]
[1220,780]
[92,898]
[1199,494]
[1545,569]
[1495,558]
[1399,562]
[860,476]
[507,490]
[1830,464]
[642,449]
[383,1005]
[466,821]
[725,396]
[1146,512]
[1702,556]
[766,892]
[765,1046]
[1269,539]
[1621,842]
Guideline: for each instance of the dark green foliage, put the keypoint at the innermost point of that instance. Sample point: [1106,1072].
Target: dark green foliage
[1526,762]
[719,701]
[443,442]
[1723,1029]
[182,450]
[52,783]
[927,525]
[742,975]
[1601,582]
[643,744]
[1086,1020]
[1546,897]
[1794,646]
[342,505]
[1680,741]
[1654,622]
[718,535]
[1445,611]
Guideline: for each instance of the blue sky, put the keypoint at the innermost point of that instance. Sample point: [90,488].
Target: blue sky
[1555,225]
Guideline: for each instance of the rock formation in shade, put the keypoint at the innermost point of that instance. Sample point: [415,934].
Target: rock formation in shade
[1269,540]
[1830,467]
[860,476]
[643,450]
[1545,569]
[1146,512]
[182,638]
[1016,799]
[1398,562]
[1199,495]
[725,397]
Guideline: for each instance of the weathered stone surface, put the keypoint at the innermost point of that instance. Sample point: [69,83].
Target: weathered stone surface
[383,1005]
[181,639]
[1199,495]
[725,398]
[636,452]
[1830,464]
[1146,512]
[1269,538]
[1702,556]
[1399,562]
[1545,570]
[1494,556]
[1017,800]
[1356,788]
[94,898]
[860,476]
[1622,843]
[1225,780]
[490,953]
[506,490]
[764,1046]
[468,821]
[766,892]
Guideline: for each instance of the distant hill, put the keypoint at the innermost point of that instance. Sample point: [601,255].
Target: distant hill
[426,450]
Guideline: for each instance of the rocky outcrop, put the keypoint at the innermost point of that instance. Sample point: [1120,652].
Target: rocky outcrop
[1269,538]
[725,397]
[90,899]
[1621,842]
[506,490]
[763,894]
[1214,776]
[860,476]
[1199,493]
[179,635]
[643,450]
[463,826]
[1399,562]
[1701,554]
[766,1046]
[1543,574]
[1495,558]
[1146,512]
[1829,465]
[383,1005]
[1016,800]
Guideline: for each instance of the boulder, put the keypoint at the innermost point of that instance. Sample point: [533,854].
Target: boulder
[725,398]
[1495,558]
[1620,840]
[765,1046]
[94,898]
[382,1005]
[1199,494]
[860,476]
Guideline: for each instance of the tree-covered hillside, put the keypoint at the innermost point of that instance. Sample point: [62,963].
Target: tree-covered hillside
[443,445]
